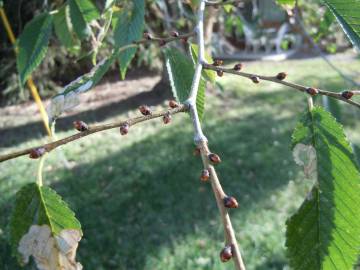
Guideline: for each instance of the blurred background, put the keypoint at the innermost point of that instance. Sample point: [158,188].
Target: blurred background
[139,197]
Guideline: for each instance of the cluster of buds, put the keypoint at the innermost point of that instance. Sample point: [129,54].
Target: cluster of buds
[80,126]
[37,152]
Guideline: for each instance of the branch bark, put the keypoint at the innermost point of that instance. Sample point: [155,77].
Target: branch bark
[201,142]
[274,79]
[94,129]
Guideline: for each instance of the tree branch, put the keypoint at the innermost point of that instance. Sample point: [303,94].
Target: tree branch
[94,129]
[165,39]
[201,143]
[295,86]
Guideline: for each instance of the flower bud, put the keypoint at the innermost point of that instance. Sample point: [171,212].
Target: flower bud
[197,151]
[230,202]
[220,73]
[238,67]
[255,79]
[80,126]
[281,76]
[174,34]
[205,175]
[218,62]
[214,158]
[173,104]
[147,35]
[37,152]
[226,253]
[347,94]
[162,42]
[167,118]
[312,91]
[124,129]
[184,40]
[145,110]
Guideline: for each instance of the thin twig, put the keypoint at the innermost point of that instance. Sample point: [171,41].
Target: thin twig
[274,79]
[93,129]
[223,3]
[165,39]
[201,143]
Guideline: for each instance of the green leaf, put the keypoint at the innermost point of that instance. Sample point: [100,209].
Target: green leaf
[32,45]
[325,232]
[68,98]
[35,205]
[78,20]
[209,75]
[347,13]
[286,2]
[129,28]
[181,72]
[62,27]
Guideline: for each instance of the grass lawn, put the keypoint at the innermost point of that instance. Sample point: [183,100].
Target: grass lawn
[139,197]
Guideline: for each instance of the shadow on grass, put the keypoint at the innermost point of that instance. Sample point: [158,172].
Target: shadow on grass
[140,200]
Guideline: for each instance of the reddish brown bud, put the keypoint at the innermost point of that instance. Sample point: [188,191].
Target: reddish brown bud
[238,67]
[37,152]
[205,175]
[145,110]
[218,62]
[147,35]
[80,126]
[255,79]
[230,202]
[312,91]
[214,158]
[281,76]
[173,104]
[174,34]
[226,253]
[167,118]
[184,40]
[124,129]
[162,42]
[220,73]
[197,151]
[347,94]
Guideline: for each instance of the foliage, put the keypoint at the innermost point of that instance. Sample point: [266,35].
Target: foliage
[36,205]
[129,28]
[181,71]
[346,13]
[33,44]
[325,232]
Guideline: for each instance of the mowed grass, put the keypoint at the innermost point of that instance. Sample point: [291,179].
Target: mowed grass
[139,197]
